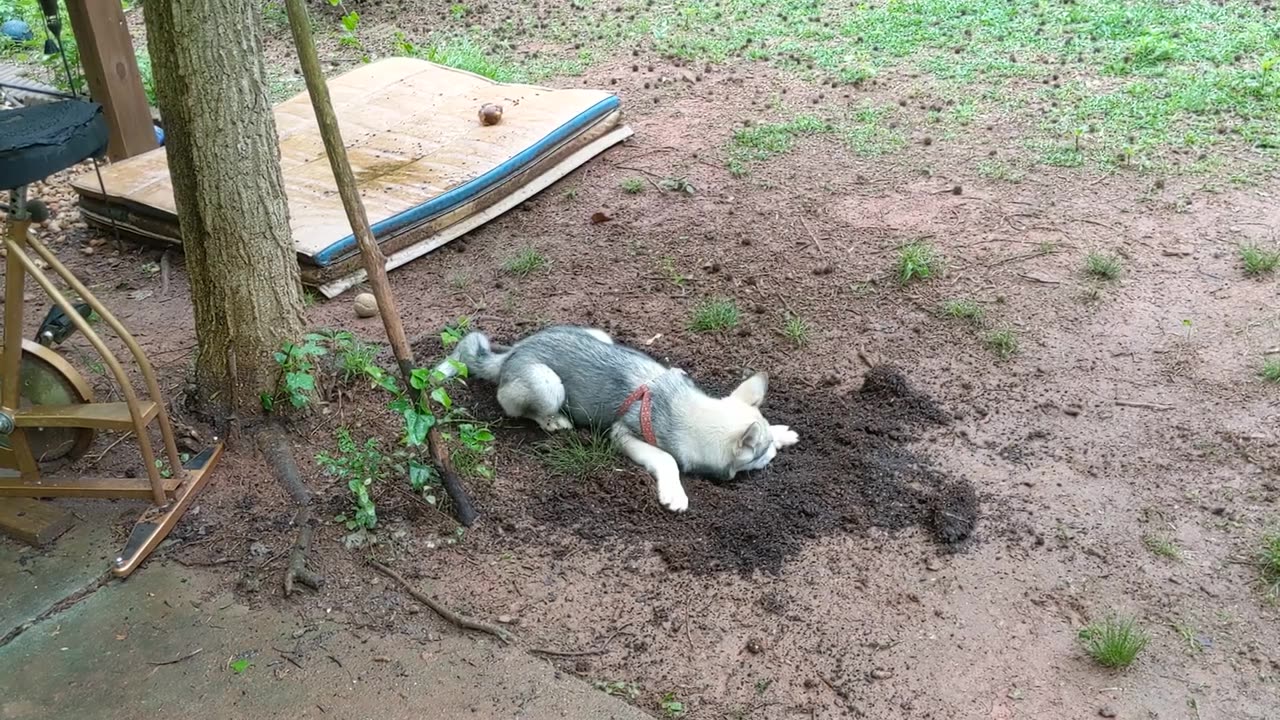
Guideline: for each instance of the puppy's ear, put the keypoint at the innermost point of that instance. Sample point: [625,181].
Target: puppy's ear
[752,390]
[756,435]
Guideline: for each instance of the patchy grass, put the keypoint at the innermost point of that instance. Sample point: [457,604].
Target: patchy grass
[761,142]
[998,170]
[1003,342]
[917,261]
[571,455]
[1113,642]
[1102,266]
[1258,260]
[1163,547]
[633,185]
[525,262]
[1271,370]
[866,133]
[1269,560]
[964,309]
[796,329]
[715,315]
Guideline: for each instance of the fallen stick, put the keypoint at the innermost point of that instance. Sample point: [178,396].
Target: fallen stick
[439,609]
[1143,405]
[176,660]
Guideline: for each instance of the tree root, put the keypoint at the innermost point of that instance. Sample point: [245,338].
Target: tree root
[275,447]
[439,609]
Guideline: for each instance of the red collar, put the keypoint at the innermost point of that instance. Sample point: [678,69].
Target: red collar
[646,412]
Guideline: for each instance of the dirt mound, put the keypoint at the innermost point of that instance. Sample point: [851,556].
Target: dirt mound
[851,471]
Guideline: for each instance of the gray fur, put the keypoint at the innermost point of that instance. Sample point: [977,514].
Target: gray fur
[565,376]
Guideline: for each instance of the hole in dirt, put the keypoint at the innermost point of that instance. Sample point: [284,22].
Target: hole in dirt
[852,471]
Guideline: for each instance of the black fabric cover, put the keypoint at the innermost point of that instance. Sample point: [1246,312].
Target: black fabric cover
[38,141]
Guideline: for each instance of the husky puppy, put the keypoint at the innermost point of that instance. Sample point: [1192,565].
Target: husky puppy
[568,376]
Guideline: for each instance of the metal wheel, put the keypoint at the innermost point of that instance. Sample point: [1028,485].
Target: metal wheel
[47,379]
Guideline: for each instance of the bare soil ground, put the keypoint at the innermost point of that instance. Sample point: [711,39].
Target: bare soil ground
[949,521]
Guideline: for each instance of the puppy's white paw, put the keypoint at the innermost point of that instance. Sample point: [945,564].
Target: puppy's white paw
[783,436]
[555,423]
[671,495]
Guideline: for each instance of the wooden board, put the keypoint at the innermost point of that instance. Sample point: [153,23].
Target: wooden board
[111,70]
[32,521]
[415,144]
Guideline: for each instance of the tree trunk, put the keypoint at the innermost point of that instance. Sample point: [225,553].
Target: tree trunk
[224,161]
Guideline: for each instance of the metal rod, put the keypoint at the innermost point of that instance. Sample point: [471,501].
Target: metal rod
[131,399]
[148,374]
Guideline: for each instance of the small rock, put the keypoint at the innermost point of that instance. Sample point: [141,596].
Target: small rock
[506,619]
[755,646]
[1107,711]
[366,305]
[1073,410]
[933,565]
[433,637]
[87,250]
[259,549]
[881,674]
[1177,251]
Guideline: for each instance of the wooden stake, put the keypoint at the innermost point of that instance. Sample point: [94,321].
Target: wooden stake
[375,263]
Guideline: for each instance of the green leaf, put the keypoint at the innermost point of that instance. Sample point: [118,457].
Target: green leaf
[459,366]
[299,381]
[483,435]
[420,475]
[280,357]
[420,378]
[417,425]
[239,666]
[268,402]
[351,20]
[441,396]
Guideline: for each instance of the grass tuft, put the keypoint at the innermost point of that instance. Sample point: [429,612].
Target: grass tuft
[633,185]
[572,455]
[1102,266]
[525,262]
[1259,261]
[917,261]
[796,330]
[967,310]
[1271,370]
[715,315]
[1114,642]
[1162,546]
[1004,343]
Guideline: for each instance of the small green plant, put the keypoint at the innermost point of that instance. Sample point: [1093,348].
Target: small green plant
[239,665]
[676,184]
[1003,342]
[1102,266]
[671,706]
[1258,260]
[633,185]
[917,261]
[618,688]
[1113,642]
[672,273]
[359,466]
[525,262]
[1162,546]
[350,21]
[1269,560]
[967,310]
[796,330]
[1190,638]
[715,315]
[571,455]
[458,11]
[297,383]
[1271,370]
[454,332]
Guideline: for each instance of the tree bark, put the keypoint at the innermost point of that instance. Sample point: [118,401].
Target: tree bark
[224,163]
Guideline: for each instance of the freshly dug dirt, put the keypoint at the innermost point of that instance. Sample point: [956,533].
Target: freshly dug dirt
[852,470]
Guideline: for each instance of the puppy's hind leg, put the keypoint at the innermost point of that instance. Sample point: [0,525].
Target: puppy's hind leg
[659,464]
[535,393]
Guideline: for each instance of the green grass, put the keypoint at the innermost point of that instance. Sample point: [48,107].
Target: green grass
[1003,342]
[963,309]
[1102,266]
[715,315]
[1114,642]
[917,261]
[1258,260]
[633,185]
[1269,560]
[757,143]
[1271,370]
[1163,547]
[571,455]
[525,262]
[796,329]
[999,170]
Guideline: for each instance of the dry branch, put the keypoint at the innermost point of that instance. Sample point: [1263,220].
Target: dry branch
[439,609]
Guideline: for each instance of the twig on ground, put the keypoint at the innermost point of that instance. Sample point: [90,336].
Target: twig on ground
[817,243]
[1143,405]
[176,660]
[439,609]
[110,447]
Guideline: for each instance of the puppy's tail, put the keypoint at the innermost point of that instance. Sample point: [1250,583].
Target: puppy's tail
[481,358]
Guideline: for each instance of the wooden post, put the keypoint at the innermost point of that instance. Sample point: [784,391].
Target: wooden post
[111,69]
[375,263]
